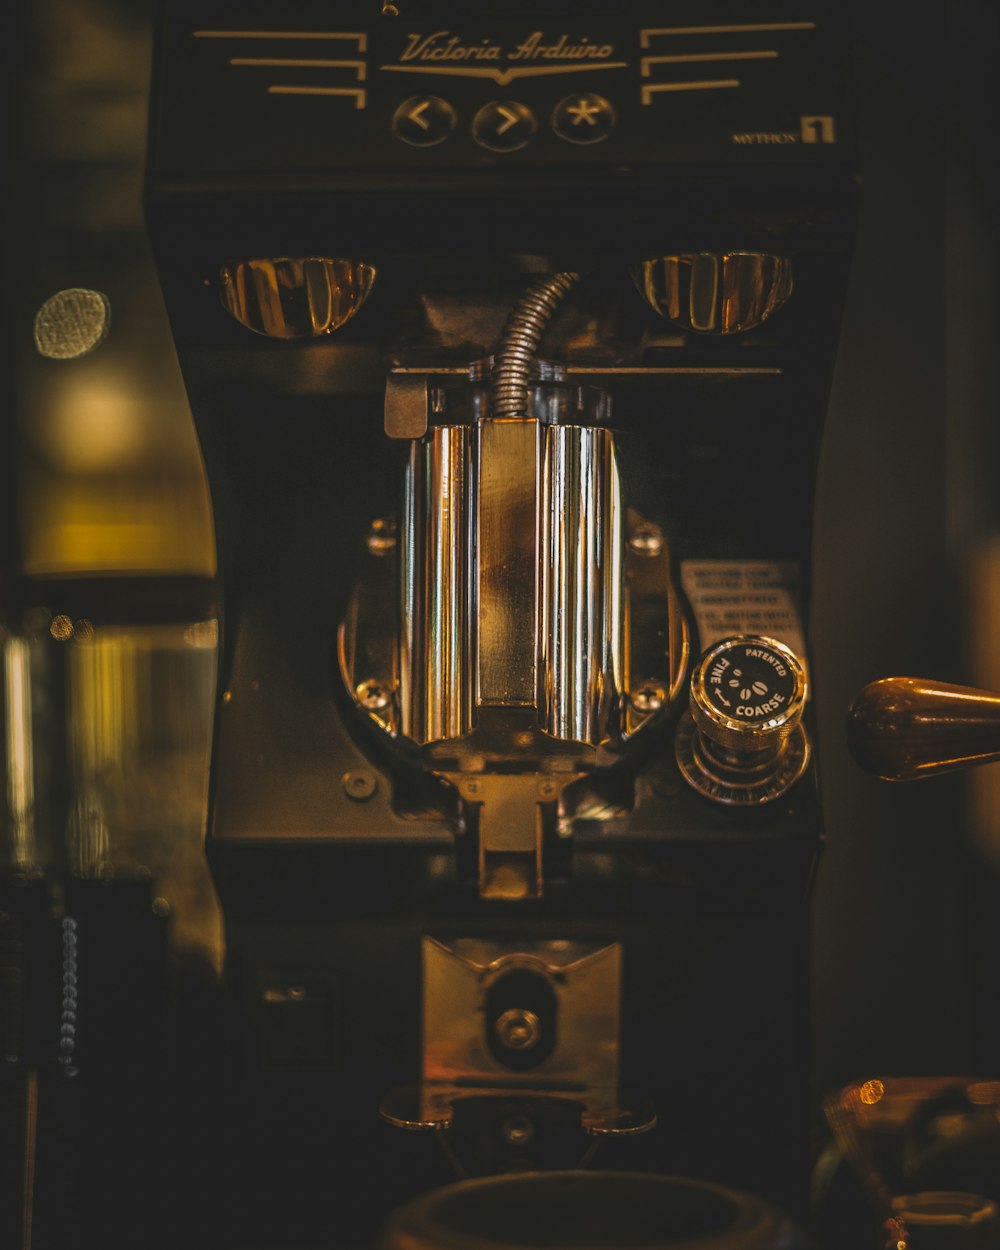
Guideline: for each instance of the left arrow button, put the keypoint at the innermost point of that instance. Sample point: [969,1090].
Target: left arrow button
[424,120]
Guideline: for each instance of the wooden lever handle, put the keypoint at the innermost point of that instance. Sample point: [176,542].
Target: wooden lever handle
[907,727]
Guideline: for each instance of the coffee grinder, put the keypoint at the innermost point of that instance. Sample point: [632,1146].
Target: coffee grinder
[507,331]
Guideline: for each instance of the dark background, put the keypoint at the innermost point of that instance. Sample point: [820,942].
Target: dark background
[907,511]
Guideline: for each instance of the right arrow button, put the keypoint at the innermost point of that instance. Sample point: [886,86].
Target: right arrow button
[503,125]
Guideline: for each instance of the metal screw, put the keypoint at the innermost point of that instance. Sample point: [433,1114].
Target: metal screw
[648,698]
[381,538]
[518,1029]
[518,1130]
[372,695]
[646,541]
[360,784]
[546,789]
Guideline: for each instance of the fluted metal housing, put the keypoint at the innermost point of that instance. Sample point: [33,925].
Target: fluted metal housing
[512,565]
[582,625]
[289,297]
[437,628]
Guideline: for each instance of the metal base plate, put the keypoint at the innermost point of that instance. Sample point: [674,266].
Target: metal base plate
[727,787]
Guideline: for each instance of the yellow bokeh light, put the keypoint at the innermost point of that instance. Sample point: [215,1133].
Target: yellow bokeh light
[61,628]
[871,1092]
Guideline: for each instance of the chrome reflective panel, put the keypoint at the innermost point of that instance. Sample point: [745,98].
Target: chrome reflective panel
[507,533]
[512,590]
[716,292]
[582,632]
[295,297]
[437,580]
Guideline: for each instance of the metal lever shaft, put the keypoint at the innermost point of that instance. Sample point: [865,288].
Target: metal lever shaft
[902,728]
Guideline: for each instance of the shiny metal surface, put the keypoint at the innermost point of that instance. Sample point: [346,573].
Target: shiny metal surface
[511,658]
[585,977]
[436,634]
[741,762]
[650,600]
[736,786]
[505,647]
[716,292]
[530,603]
[508,464]
[368,639]
[582,629]
[744,738]
[509,811]
[295,297]
[902,728]
[578,1043]
[407,404]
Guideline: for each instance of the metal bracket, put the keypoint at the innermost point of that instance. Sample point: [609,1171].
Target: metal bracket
[407,405]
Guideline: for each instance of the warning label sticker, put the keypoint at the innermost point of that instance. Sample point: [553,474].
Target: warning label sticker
[745,597]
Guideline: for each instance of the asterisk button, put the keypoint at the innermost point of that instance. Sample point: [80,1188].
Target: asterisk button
[585,118]
[584,110]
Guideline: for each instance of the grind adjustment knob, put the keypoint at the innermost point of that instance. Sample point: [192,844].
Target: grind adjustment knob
[742,742]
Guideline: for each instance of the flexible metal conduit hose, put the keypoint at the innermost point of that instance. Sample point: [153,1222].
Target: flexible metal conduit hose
[515,355]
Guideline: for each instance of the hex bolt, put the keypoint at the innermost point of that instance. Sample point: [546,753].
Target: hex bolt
[359,784]
[518,1029]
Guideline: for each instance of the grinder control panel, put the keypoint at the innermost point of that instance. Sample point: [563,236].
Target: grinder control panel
[252,87]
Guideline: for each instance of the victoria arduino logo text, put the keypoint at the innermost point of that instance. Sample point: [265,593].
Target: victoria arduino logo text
[443,46]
